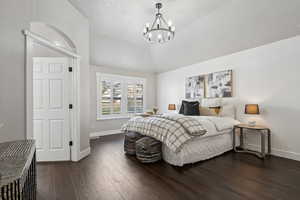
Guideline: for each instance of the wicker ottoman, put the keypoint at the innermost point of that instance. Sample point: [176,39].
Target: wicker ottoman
[148,150]
[129,142]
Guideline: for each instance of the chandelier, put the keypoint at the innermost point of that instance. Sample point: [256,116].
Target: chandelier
[160,31]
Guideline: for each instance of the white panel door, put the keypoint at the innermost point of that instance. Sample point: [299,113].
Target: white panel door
[51,128]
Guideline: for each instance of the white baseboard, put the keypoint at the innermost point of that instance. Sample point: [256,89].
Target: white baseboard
[84,153]
[103,133]
[277,152]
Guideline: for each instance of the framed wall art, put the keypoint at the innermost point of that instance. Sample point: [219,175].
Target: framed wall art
[218,84]
[195,87]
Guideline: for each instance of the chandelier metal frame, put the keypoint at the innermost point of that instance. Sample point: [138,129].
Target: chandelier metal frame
[160,31]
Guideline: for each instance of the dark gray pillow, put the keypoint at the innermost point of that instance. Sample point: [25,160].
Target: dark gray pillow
[181,110]
[189,108]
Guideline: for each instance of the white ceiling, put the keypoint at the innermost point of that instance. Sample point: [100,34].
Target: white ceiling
[205,29]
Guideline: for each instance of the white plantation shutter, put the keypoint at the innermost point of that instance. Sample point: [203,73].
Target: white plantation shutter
[106,98]
[139,98]
[119,96]
[111,97]
[135,98]
[131,98]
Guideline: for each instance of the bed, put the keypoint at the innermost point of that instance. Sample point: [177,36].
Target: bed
[200,148]
[215,142]
[212,136]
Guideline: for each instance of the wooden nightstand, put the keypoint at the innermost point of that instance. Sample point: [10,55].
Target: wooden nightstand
[263,131]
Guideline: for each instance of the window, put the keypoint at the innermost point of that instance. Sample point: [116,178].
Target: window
[135,98]
[119,96]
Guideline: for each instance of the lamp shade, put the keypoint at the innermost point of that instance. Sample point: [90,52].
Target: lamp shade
[252,109]
[172,107]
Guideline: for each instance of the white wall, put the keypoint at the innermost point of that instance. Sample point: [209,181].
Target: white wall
[38,50]
[15,16]
[115,124]
[113,52]
[267,75]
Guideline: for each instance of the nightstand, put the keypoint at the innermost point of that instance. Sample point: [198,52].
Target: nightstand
[263,131]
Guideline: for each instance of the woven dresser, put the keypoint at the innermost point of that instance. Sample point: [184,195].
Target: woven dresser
[18,170]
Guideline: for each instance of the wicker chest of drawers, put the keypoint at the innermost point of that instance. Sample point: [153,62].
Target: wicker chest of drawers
[18,170]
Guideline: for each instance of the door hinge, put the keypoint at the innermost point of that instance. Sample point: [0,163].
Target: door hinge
[70,69]
[70,106]
[71,143]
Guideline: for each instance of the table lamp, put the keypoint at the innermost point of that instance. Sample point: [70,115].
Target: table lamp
[172,107]
[252,109]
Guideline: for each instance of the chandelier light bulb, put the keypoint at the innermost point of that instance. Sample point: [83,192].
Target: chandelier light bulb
[169,23]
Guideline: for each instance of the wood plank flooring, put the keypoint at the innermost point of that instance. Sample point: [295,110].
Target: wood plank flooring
[108,174]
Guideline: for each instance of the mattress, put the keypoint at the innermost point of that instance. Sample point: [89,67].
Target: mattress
[200,148]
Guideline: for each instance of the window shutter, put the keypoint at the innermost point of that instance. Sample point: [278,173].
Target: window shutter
[131,98]
[119,96]
[139,98]
[135,98]
[106,95]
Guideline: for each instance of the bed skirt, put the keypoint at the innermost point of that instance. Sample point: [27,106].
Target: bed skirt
[199,149]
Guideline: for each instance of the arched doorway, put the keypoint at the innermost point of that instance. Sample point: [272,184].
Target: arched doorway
[61,76]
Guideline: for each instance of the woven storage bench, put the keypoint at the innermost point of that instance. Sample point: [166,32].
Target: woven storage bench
[129,142]
[148,150]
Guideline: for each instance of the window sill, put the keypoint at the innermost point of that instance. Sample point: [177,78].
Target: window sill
[102,118]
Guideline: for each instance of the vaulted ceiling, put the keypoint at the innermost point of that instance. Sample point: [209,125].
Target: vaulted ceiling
[205,29]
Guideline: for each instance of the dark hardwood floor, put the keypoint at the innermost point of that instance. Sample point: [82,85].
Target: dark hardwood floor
[108,174]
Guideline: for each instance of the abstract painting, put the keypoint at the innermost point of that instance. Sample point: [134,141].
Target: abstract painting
[195,87]
[218,84]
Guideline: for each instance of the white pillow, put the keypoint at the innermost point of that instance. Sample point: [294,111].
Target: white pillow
[214,102]
[227,111]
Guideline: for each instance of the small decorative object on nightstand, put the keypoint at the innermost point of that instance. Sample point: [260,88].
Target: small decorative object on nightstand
[263,131]
[155,110]
[252,109]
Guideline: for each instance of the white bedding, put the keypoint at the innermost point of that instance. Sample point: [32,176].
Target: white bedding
[212,144]
[216,125]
